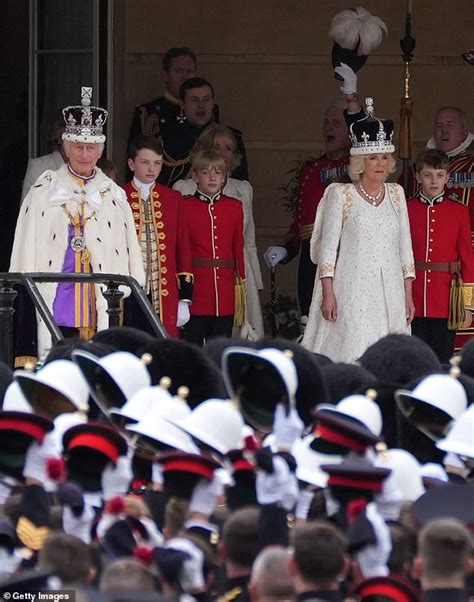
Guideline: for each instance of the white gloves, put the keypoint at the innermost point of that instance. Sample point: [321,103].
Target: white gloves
[206,495]
[191,576]
[273,256]
[286,429]
[36,461]
[38,455]
[280,486]
[304,503]
[389,500]
[349,85]
[79,526]
[157,473]
[373,559]
[116,479]
[183,313]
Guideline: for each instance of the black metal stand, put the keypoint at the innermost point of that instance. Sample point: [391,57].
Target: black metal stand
[7,296]
[113,297]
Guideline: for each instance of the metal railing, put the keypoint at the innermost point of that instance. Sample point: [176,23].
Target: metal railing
[112,294]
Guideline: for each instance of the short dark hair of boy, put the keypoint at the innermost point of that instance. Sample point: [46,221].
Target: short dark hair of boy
[174,53]
[319,552]
[444,547]
[194,82]
[126,575]
[67,557]
[240,536]
[208,159]
[141,142]
[432,157]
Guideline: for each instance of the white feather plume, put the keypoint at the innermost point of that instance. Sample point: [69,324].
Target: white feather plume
[349,27]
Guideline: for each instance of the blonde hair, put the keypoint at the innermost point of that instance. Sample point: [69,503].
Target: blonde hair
[357,166]
[208,159]
[207,138]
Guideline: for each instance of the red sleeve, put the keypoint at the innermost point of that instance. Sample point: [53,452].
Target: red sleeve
[183,246]
[292,241]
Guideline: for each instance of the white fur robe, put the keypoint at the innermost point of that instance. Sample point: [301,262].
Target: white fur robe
[41,234]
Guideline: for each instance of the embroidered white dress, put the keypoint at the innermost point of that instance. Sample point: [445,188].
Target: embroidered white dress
[367,250]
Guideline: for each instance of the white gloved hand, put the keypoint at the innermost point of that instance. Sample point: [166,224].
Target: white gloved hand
[290,493]
[349,85]
[286,428]
[36,460]
[271,486]
[389,500]
[191,576]
[304,503]
[273,256]
[206,495]
[116,479]
[157,473]
[373,559]
[183,313]
[79,526]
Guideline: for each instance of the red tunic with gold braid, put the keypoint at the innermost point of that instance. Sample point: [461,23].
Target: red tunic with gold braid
[175,278]
[440,235]
[217,246]
[459,189]
[313,181]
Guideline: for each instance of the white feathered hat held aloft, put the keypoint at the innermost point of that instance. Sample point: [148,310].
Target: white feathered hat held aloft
[356,33]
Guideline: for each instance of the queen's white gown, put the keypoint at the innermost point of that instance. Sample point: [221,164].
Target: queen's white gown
[367,250]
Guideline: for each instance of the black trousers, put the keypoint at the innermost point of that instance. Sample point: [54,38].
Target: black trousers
[435,333]
[201,328]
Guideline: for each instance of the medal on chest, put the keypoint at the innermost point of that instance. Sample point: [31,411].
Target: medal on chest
[78,241]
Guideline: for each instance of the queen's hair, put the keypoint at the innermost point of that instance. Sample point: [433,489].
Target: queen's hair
[357,166]
[206,142]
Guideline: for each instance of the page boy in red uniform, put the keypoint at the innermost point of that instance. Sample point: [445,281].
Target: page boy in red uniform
[441,240]
[215,224]
[161,228]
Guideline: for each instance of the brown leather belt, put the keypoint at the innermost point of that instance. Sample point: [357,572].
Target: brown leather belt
[205,262]
[449,266]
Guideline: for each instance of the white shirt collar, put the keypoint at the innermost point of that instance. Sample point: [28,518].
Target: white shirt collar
[456,151]
[143,188]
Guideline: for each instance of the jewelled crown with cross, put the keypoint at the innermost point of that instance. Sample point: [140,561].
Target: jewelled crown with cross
[84,123]
[371,135]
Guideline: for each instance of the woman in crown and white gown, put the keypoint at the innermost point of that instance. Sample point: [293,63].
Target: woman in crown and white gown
[361,243]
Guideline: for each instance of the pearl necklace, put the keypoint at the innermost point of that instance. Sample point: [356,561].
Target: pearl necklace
[374,198]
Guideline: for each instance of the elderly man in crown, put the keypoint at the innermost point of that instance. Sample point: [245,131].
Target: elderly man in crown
[77,220]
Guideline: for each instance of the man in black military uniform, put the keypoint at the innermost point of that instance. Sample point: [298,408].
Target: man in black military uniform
[197,100]
[150,118]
